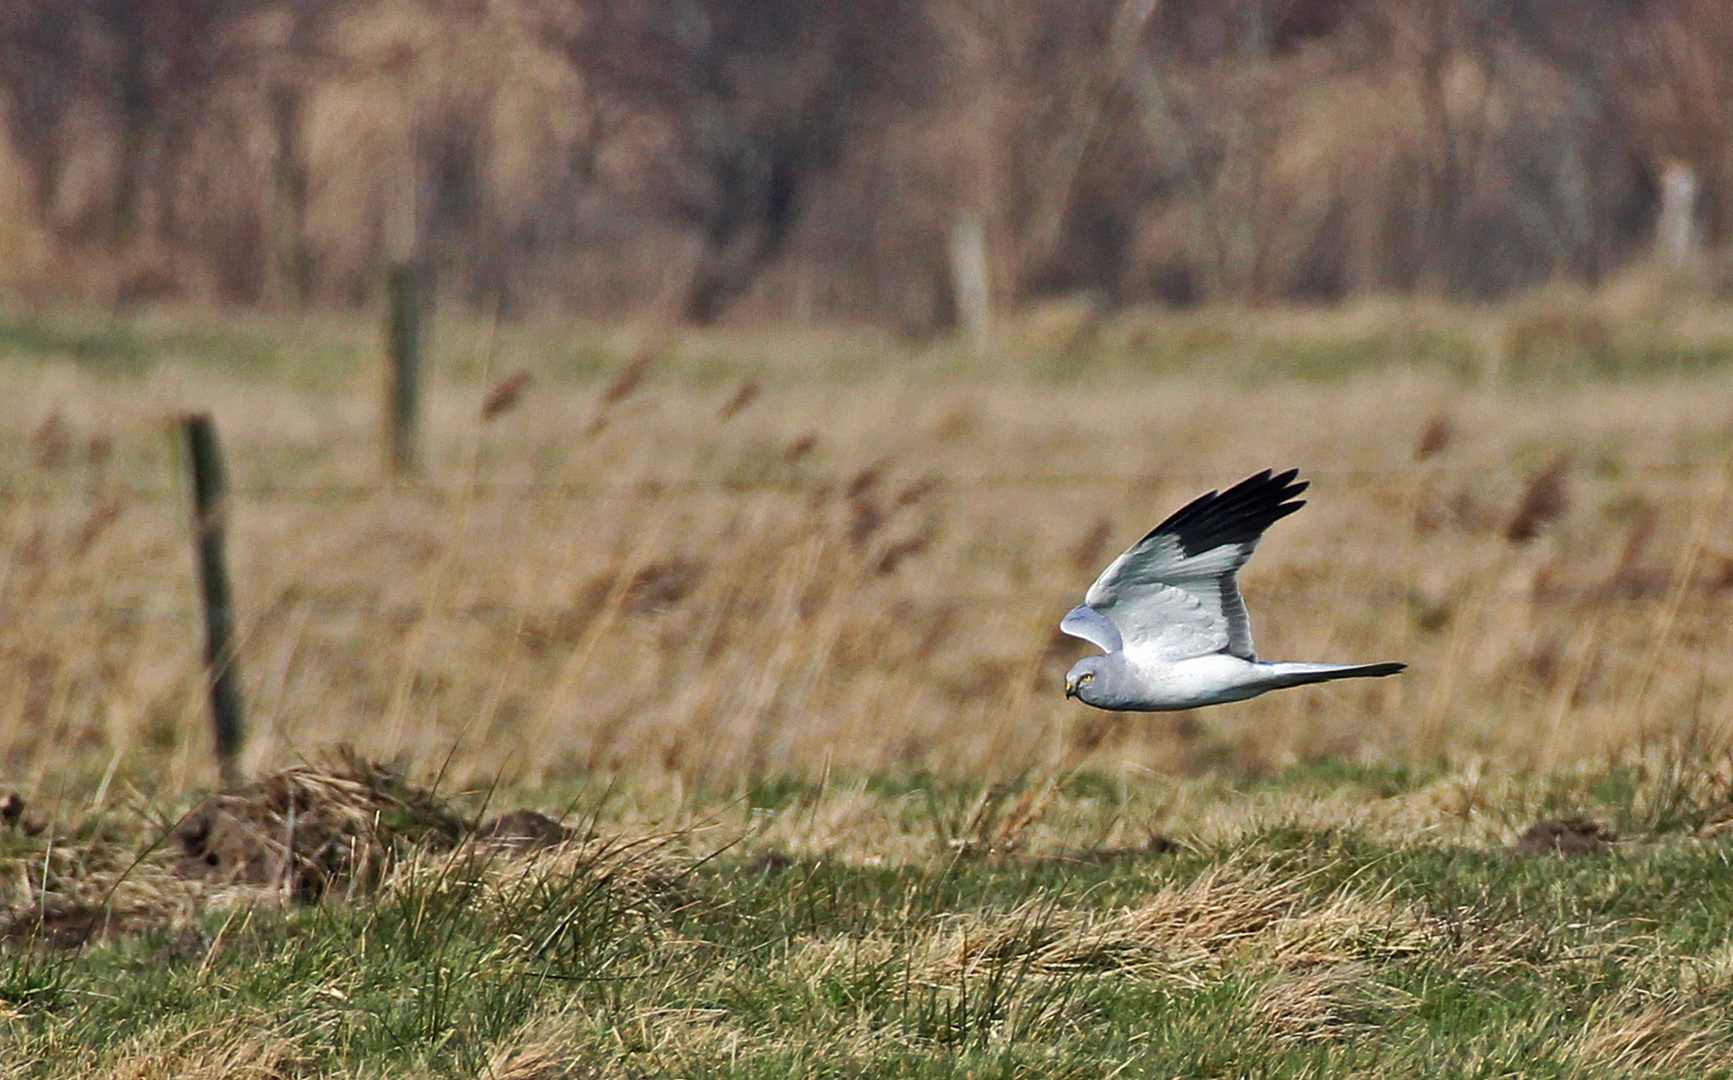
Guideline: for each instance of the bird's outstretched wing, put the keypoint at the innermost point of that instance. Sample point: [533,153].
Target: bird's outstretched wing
[1173,594]
[1092,626]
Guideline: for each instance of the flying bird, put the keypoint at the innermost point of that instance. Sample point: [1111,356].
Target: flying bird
[1169,617]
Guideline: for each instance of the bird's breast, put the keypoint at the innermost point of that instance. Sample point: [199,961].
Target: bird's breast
[1197,681]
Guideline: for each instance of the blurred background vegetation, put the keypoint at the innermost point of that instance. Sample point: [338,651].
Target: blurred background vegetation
[795,366]
[720,477]
[738,159]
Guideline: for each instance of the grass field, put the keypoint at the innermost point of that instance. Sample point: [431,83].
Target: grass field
[695,561]
[771,619]
[1322,922]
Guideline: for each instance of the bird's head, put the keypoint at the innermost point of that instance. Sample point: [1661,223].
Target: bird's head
[1084,680]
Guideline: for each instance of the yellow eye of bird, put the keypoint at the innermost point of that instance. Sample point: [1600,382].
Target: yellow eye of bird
[1086,677]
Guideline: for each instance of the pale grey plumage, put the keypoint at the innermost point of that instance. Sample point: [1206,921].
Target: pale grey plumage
[1168,614]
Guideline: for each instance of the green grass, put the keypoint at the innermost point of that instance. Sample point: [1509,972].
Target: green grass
[1280,948]
[1540,344]
[289,354]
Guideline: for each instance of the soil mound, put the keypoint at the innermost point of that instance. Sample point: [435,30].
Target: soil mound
[309,829]
[1564,836]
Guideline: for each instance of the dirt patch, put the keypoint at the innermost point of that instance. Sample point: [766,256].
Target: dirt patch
[1154,844]
[771,862]
[344,827]
[1564,836]
[59,925]
[65,923]
[523,830]
[308,830]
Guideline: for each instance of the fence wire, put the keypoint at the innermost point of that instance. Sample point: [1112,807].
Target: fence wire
[653,487]
[99,494]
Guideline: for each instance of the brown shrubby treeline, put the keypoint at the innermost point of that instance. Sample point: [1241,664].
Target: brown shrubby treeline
[772,158]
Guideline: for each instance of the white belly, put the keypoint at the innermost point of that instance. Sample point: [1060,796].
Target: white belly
[1200,681]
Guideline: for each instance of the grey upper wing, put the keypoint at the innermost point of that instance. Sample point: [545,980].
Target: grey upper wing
[1174,592]
[1092,626]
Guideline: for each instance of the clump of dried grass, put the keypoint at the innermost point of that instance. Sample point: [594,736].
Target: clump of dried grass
[1235,913]
[1544,500]
[71,883]
[1336,1001]
[303,833]
[507,394]
[210,1054]
[637,874]
[545,1060]
[651,1040]
[745,394]
[1665,1034]
[356,825]
[307,829]
[1435,438]
[625,383]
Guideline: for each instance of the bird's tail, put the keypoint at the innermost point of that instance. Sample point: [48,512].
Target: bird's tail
[1291,674]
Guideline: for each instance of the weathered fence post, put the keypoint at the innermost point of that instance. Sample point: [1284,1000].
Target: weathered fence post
[1677,233]
[970,282]
[405,326]
[210,514]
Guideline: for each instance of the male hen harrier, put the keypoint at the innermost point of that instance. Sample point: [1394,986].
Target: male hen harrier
[1168,612]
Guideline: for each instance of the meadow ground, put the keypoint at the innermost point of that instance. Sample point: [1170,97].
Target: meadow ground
[1319,922]
[772,617]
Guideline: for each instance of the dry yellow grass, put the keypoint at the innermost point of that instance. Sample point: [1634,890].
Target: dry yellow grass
[843,571]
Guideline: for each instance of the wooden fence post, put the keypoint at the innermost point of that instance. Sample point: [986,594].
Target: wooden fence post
[405,327]
[1677,233]
[970,281]
[210,513]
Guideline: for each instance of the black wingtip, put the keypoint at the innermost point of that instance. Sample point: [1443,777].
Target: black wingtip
[1238,515]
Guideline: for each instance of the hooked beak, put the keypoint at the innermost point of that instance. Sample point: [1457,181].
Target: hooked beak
[1070,688]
